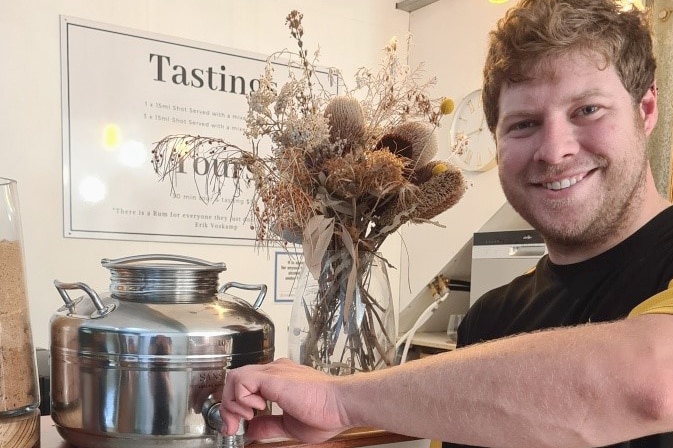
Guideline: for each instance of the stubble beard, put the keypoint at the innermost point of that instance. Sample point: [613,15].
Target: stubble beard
[567,229]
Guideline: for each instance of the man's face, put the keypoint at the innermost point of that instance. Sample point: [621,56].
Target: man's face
[571,152]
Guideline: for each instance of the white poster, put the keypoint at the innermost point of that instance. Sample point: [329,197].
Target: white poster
[123,91]
[288,268]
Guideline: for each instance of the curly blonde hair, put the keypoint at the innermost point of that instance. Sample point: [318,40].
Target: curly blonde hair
[535,30]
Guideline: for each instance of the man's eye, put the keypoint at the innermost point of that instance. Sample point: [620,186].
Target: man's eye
[521,125]
[587,110]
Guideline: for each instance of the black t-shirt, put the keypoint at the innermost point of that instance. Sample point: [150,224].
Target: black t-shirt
[604,288]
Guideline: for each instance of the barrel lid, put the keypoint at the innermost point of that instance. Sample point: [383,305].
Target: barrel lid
[163,278]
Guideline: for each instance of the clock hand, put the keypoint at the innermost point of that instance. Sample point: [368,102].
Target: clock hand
[479,129]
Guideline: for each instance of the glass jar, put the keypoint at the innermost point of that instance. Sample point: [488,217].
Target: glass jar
[19,387]
[343,322]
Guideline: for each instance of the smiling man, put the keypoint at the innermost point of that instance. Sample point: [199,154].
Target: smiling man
[572,161]
[576,353]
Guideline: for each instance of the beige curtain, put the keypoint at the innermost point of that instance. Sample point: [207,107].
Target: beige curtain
[660,144]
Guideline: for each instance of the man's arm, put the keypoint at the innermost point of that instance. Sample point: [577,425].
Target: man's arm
[590,385]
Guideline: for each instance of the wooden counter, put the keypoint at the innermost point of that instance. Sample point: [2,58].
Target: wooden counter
[50,438]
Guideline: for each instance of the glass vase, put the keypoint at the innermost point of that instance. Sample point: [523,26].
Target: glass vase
[343,322]
[19,387]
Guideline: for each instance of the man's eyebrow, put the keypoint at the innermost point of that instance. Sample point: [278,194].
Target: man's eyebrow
[586,94]
[524,111]
[516,114]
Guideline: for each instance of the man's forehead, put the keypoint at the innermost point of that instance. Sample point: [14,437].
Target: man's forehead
[550,66]
[558,80]
[558,69]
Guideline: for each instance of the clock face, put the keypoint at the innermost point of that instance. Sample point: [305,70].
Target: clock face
[471,140]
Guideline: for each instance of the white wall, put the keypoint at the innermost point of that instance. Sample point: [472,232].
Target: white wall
[450,37]
[350,34]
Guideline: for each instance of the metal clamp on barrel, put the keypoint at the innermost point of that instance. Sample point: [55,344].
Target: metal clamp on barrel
[260,297]
[101,310]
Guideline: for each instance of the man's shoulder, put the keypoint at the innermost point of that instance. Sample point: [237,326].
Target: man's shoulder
[660,303]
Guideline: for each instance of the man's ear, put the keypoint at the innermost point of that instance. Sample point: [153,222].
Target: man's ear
[648,108]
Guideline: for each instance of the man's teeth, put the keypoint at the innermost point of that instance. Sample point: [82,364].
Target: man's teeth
[565,183]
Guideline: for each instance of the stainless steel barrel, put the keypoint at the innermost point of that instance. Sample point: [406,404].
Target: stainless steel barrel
[134,367]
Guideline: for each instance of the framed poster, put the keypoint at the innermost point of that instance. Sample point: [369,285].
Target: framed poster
[123,91]
[286,276]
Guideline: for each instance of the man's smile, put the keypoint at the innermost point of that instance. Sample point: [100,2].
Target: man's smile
[563,183]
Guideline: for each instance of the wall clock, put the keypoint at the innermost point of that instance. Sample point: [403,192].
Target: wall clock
[471,140]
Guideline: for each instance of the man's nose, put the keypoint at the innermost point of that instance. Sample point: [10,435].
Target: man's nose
[557,142]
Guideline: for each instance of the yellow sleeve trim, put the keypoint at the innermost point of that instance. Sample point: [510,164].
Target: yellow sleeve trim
[661,303]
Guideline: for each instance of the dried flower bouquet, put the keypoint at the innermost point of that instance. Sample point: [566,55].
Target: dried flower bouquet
[345,171]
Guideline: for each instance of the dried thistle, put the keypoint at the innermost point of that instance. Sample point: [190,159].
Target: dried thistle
[346,121]
[442,191]
[412,140]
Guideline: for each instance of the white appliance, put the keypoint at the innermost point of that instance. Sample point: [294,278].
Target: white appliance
[498,257]
[506,247]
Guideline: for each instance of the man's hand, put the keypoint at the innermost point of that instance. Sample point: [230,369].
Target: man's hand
[311,409]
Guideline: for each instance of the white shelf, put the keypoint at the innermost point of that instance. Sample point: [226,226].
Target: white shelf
[434,340]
